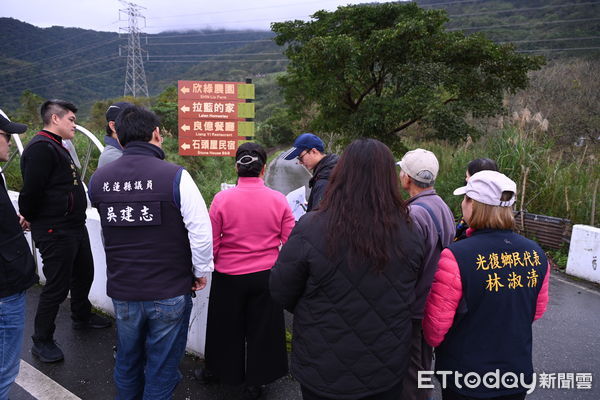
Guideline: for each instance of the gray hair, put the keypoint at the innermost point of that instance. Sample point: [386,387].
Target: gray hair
[427,176]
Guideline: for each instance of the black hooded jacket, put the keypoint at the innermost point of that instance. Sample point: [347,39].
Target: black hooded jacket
[352,324]
[319,180]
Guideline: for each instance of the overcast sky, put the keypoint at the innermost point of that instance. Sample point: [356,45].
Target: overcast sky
[162,15]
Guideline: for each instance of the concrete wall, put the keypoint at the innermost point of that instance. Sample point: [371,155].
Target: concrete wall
[584,253]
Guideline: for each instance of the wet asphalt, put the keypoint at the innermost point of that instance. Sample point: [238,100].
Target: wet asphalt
[566,339]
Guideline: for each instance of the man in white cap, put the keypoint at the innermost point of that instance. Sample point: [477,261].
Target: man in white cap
[419,169]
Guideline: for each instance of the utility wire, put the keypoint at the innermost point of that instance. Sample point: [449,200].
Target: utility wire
[197,43]
[554,50]
[524,9]
[59,56]
[81,77]
[61,71]
[486,27]
[213,61]
[552,40]
[217,55]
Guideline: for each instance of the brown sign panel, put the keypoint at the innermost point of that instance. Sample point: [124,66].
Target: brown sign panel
[207,147]
[208,109]
[213,116]
[211,90]
[207,128]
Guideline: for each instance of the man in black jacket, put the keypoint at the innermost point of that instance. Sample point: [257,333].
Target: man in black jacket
[17,273]
[53,200]
[310,152]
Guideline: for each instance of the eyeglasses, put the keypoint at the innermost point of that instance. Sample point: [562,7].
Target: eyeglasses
[301,156]
[7,136]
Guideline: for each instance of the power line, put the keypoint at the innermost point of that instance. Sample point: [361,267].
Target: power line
[524,9]
[238,10]
[245,32]
[213,61]
[449,3]
[552,39]
[486,27]
[555,50]
[79,78]
[59,56]
[197,43]
[73,67]
[216,55]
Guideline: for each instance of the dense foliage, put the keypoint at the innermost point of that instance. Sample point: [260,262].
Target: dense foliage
[375,70]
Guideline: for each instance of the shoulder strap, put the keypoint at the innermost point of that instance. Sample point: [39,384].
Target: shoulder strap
[433,218]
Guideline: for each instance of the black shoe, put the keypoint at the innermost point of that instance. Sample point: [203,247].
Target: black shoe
[94,322]
[47,351]
[205,376]
[252,392]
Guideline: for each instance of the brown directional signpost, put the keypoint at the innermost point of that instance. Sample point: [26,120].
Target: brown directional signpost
[214,117]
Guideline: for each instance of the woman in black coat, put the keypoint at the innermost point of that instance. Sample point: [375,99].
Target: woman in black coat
[348,273]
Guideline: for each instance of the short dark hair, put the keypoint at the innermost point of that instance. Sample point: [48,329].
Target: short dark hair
[55,106]
[481,164]
[252,169]
[136,124]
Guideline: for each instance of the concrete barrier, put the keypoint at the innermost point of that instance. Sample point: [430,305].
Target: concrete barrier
[197,328]
[584,253]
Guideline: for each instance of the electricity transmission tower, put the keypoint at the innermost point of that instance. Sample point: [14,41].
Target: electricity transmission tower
[135,76]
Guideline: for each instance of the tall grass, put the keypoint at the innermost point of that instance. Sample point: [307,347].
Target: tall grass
[558,183]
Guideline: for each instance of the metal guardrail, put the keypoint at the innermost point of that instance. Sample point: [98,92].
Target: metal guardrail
[548,231]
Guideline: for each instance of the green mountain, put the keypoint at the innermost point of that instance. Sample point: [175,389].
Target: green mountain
[85,66]
[553,28]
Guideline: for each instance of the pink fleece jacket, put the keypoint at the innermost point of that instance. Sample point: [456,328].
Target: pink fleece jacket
[445,294]
[249,223]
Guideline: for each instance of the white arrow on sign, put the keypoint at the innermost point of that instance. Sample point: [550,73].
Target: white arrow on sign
[185,109]
[185,146]
[185,128]
[185,90]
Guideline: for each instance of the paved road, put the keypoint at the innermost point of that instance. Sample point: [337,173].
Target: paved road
[566,340]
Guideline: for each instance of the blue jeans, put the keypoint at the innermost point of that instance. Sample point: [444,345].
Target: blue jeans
[151,343]
[12,321]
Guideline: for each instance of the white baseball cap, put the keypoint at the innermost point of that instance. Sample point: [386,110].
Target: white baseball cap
[487,186]
[417,161]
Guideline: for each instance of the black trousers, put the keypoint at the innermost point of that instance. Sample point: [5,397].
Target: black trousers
[68,265]
[450,395]
[245,333]
[390,394]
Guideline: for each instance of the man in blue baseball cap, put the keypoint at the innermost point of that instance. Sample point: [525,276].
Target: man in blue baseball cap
[309,150]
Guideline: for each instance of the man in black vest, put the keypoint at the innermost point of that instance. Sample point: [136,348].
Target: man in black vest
[53,200]
[158,243]
[17,273]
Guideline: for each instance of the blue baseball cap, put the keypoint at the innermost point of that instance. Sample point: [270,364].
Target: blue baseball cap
[306,141]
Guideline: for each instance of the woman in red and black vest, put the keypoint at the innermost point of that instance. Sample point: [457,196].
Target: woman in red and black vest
[488,290]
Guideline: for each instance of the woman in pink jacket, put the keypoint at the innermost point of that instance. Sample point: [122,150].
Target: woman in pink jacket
[245,338]
[487,291]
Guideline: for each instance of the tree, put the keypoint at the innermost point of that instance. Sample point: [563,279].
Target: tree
[29,111]
[376,69]
[165,106]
